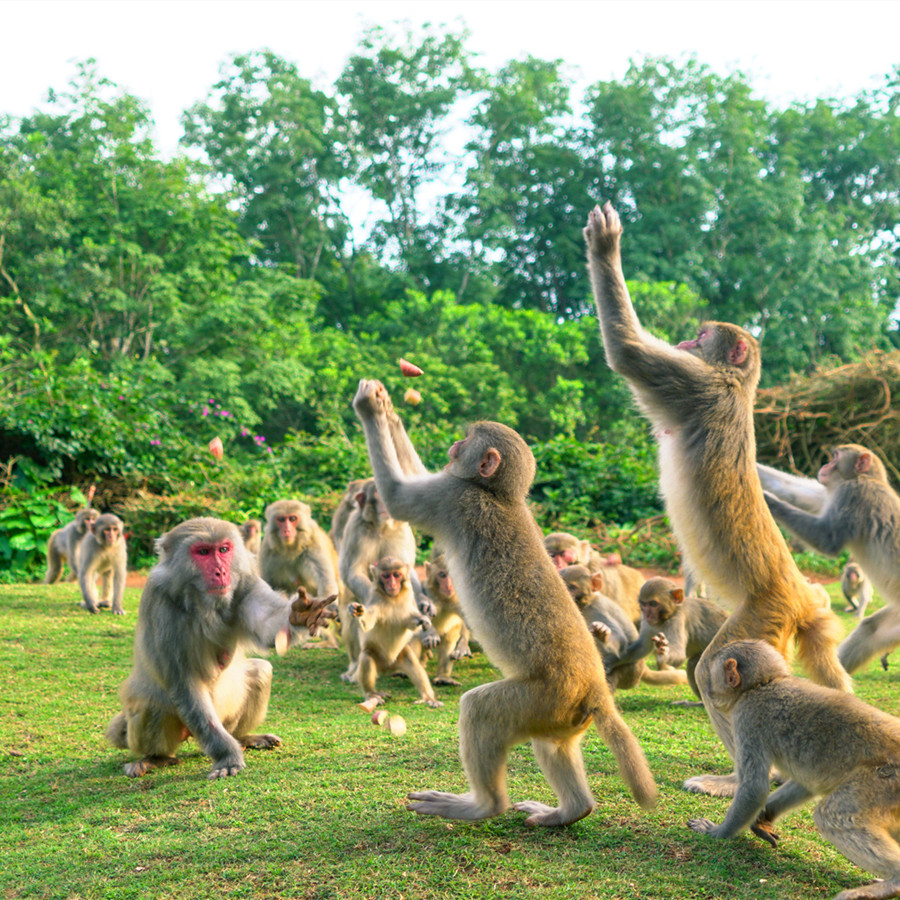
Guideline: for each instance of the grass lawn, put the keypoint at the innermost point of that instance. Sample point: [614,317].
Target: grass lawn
[324,816]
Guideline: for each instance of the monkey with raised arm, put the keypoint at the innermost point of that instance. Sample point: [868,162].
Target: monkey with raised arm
[519,610]
[677,629]
[699,396]
[388,621]
[829,744]
[203,607]
[851,507]
[613,632]
[63,544]
[102,558]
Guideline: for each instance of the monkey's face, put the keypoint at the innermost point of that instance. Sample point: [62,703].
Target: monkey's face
[392,581]
[578,592]
[651,610]
[563,557]
[109,535]
[444,582]
[213,562]
[830,472]
[287,527]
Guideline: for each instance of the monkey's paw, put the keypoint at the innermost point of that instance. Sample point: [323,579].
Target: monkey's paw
[446,680]
[762,828]
[427,607]
[260,741]
[603,230]
[90,608]
[356,609]
[230,765]
[600,631]
[431,704]
[660,644]
[371,398]
[451,806]
[550,816]
[703,826]
[462,649]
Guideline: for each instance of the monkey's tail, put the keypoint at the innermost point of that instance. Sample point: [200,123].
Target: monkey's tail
[817,639]
[117,731]
[630,759]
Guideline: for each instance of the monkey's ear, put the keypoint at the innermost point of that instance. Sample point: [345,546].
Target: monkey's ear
[373,571]
[490,462]
[597,581]
[738,353]
[863,463]
[360,499]
[677,594]
[732,676]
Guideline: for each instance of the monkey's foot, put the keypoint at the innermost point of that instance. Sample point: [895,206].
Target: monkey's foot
[143,766]
[713,785]
[764,828]
[260,741]
[453,806]
[432,704]
[548,816]
[446,679]
[703,826]
[90,609]
[230,765]
[104,604]
[877,890]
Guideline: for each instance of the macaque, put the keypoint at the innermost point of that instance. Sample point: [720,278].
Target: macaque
[346,506]
[101,556]
[856,588]
[620,583]
[829,744]
[202,608]
[371,533]
[296,552]
[699,396]
[447,621]
[387,623]
[613,631]
[251,532]
[677,629]
[63,543]
[851,507]
[520,612]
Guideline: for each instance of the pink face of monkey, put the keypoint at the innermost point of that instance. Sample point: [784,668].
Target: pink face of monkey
[563,558]
[287,527]
[392,581]
[214,562]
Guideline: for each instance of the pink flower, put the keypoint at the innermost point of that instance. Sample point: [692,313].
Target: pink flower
[216,448]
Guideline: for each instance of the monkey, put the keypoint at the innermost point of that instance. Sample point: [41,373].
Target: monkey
[828,743]
[370,534]
[63,543]
[856,588]
[387,622]
[620,583]
[296,552]
[202,608]
[613,631]
[346,506]
[676,628]
[447,621]
[851,507]
[699,397]
[251,532]
[520,612]
[101,555]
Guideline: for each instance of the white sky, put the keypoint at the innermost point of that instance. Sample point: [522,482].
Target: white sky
[168,52]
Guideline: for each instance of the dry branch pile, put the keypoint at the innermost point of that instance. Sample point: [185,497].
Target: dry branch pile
[858,403]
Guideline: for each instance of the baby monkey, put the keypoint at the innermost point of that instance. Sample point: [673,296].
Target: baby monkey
[829,743]
[388,621]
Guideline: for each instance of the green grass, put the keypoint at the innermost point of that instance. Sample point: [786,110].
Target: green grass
[323,816]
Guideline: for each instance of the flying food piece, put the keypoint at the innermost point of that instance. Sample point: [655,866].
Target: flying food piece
[379,717]
[412,397]
[396,725]
[407,368]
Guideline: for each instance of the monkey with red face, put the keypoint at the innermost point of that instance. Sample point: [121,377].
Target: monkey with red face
[202,607]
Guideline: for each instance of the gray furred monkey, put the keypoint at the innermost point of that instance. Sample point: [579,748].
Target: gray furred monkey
[850,507]
[519,610]
[830,745]
[102,558]
[63,544]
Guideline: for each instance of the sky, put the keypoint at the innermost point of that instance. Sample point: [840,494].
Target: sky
[168,52]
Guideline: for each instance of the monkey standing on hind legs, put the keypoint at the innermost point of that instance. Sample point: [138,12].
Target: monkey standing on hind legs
[518,609]
[699,396]
[850,507]
[829,744]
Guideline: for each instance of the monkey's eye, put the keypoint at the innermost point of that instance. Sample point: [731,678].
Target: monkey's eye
[443,574]
[202,551]
[225,548]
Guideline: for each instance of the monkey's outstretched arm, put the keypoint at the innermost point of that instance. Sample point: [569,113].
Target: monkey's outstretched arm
[804,493]
[636,650]
[749,800]
[821,533]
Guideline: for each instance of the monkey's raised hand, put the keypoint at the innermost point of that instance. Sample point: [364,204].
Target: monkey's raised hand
[372,399]
[603,230]
[660,644]
[356,609]
[600,631]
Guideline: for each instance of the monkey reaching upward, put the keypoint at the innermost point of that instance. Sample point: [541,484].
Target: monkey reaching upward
[699,397]
[851,507]
[518,609]
[828,743]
